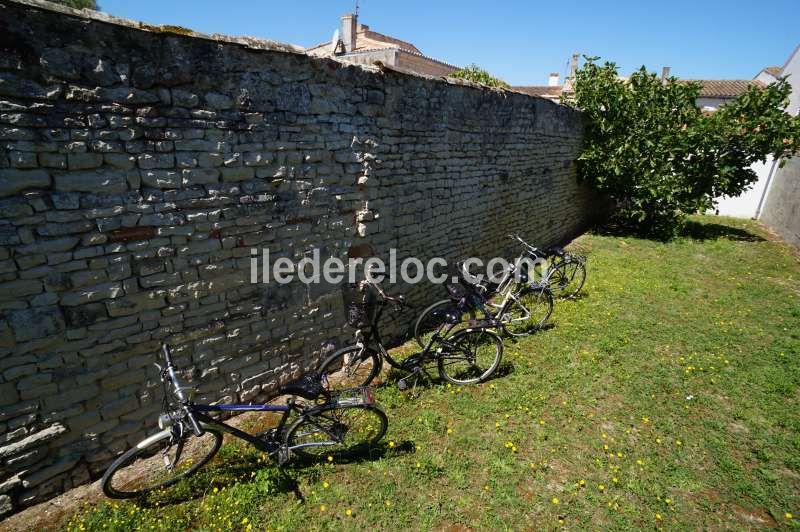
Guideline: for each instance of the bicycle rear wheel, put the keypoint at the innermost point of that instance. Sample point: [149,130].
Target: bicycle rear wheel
[337,431]
[351,367]
[470,356]
[158,462]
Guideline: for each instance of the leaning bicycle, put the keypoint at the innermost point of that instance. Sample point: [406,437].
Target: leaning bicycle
[519,305]
[467,356]
[343,423]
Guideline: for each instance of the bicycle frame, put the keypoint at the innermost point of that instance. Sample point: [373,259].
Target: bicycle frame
[197,414]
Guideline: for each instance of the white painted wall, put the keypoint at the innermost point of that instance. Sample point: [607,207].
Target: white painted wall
[747,204]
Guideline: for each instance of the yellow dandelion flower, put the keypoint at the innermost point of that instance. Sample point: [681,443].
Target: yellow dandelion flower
[554,500]
[615,480]
[348,512]
[325,484]
[391,444]
[449,430]
[678,443]
[322,507]
[388,503]
[639,462]
[658,516]
[601,487]
[330,458]
[245,520]
[419,465]
[788,515]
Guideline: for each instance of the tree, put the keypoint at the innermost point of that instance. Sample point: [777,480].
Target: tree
[659,157]
[78,4]
[475,73]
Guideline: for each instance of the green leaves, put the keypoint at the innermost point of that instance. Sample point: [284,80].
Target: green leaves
[475,73]
[650,148]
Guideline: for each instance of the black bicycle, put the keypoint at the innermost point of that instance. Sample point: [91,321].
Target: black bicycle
[343,423]
[470,355]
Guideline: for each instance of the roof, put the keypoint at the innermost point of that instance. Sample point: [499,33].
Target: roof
[366,39]
[773,70]
[545,91]
[724,88]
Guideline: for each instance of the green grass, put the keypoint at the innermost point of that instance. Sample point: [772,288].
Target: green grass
[667,396]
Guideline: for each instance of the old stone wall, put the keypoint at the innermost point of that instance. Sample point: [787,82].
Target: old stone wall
[138,167]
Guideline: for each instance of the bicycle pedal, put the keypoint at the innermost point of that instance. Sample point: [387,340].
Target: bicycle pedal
[283,455]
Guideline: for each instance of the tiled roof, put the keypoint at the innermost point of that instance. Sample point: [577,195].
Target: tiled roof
[724,88]
[774,70]
[545,91]
[366,39]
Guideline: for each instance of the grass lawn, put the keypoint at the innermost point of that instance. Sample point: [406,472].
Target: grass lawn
[666,397]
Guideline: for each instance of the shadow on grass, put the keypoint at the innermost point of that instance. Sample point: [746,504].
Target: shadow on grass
[712,231]
[245,467]
[690,229]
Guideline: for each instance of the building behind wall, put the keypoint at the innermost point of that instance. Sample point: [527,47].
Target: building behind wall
[357,43]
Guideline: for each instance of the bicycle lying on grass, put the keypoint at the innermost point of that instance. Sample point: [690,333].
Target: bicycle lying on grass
[344,423]
[467,356]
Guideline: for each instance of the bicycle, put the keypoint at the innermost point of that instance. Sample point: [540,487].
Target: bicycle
[331,424]
[566,272]
[467,356]
[517,304]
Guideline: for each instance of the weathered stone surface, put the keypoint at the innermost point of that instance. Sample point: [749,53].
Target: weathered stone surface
[36,322]
[14,180]
[38,437]
[106,181]
[90,294]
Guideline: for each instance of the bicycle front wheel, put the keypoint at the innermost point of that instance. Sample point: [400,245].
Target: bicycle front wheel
[351,367]
[567,278]
[436,315]
[528,310]
[158,462]
[470,356]
[337,431]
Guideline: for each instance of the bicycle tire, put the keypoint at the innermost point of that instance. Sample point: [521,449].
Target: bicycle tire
[428,319]
[142,460]
[561,279]
[449,357]
[329,419]
[368,367]
[529,311]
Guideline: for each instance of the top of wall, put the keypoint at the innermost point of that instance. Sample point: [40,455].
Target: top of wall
[251,43]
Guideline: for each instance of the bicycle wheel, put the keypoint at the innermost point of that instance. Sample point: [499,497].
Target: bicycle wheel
[470,356]
[433,317]
[351,367]
[528,310]
[158,462]
[337,431]
[567,278]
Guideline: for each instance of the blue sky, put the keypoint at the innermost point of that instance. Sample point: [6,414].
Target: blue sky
[517,40]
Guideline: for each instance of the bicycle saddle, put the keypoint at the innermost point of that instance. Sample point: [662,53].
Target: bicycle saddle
[308,387]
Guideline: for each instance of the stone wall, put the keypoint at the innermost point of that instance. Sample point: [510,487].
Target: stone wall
[138,167]
[781,210]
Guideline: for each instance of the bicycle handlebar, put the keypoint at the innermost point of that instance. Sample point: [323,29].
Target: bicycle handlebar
[176,385]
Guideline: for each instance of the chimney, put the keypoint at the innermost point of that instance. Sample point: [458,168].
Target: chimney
[665,74]
[348,31]
[573,67]
[552,81]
